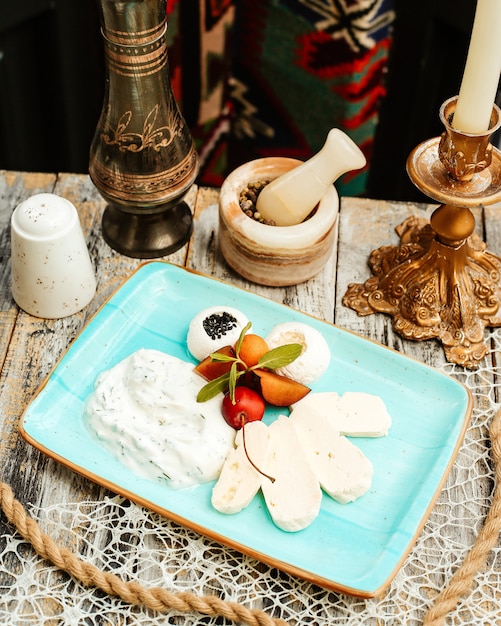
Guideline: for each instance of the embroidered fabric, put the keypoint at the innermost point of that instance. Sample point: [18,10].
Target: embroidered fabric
[135,544]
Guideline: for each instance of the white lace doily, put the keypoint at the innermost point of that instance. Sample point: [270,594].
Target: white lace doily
[147,548]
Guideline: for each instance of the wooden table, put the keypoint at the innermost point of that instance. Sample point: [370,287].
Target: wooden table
[59,499]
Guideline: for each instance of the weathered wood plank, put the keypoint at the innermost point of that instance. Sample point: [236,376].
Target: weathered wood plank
[492,226]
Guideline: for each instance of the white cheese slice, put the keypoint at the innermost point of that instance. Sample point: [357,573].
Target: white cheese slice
[294,498]
[354,414]
[239,481]
[364,415]
[341,468]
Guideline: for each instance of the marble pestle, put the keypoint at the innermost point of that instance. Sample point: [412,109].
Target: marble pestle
[291,197]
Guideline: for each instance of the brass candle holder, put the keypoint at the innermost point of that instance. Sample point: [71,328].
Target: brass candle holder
[441,282]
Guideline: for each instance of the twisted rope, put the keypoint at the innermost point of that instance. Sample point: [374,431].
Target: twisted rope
[487,538]
[156,598]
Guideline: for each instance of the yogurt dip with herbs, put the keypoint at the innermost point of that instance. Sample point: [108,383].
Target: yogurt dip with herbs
[144,412]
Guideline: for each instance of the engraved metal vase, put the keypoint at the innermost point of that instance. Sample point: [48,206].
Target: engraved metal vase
[142,157]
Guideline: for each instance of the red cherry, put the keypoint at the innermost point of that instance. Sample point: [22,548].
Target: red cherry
[248,407]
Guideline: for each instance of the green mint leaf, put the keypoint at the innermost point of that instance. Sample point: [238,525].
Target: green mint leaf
[233,381]
[210,390]
[281,356]
[222,358]
[241,337]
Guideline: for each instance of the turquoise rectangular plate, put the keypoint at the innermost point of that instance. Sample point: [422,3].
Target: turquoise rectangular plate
[354,548]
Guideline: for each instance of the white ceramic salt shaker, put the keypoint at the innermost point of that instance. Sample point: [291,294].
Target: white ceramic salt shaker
[52,275]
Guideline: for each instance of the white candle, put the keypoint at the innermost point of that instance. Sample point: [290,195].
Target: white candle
[482,70]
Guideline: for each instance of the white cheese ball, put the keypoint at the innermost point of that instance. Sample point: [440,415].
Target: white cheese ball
[213,328]
[313,360]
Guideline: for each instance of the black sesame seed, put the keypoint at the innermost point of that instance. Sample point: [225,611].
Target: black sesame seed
[219,324]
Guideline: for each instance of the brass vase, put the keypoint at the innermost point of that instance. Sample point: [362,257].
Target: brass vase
[142,157]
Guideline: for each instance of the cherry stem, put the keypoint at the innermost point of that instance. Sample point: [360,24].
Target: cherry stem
[248,457]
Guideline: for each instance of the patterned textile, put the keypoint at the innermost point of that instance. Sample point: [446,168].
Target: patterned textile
[258,78]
